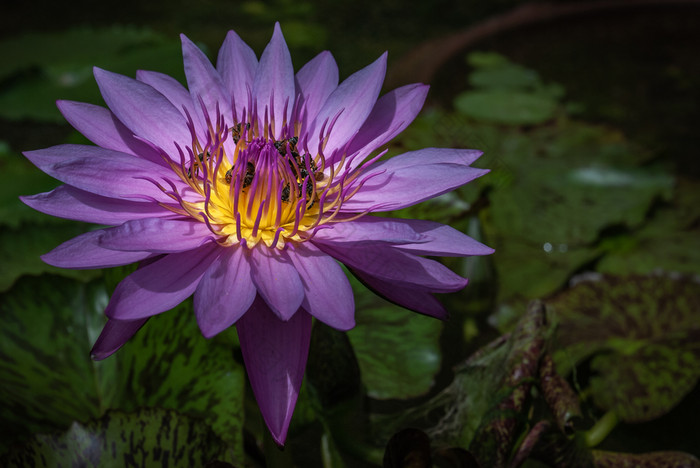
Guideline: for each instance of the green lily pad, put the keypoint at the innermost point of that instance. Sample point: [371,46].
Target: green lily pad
[508,107]
[147,437]
[642,332]
[169,364]
[38,68]
[47,379]
[398,350]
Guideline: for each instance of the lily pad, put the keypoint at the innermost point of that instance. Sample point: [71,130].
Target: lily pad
[169,364]
[47,379]
[398,351]
[642,333]
[38,68]
[147,437]
[504,106]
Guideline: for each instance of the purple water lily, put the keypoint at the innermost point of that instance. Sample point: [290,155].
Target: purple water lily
[249,190]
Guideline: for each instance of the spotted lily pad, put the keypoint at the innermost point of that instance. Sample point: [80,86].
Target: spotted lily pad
[642,333]
[147,437]
[47,379]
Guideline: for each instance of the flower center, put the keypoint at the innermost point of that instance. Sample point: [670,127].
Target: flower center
[249,187]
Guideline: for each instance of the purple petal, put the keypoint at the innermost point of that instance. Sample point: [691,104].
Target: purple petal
[236,64]
[225,292]
[411,298]
[144,110]
[156,235]
[395,266]
[412,235]
[204,82]
[103,172]
[277,280]
[101,126]
[71,203]
[84,251]
[390,116]
[413,177]
[114,334]
[161,285]
[370,230]
[275,353]
[316,81]
[351,102]
[274,78]
[174,92]
[328,295]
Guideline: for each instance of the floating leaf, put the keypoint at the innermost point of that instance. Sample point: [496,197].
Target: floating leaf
[501,106]
[38,68]
[642,332]
[47,379]
[147,437]
[169,364]
[398,351]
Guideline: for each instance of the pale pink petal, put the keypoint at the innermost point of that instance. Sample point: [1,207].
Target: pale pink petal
[275,353]
[161,285]
[276,280]
[225,292]
[327,292]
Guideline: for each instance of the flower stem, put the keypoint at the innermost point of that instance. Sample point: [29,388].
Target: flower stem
[601,429]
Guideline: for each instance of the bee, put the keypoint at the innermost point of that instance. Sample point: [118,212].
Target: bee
[236,131]
[197,164]
[247,179]
[281,146]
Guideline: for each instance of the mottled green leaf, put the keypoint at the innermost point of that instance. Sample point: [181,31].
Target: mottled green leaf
[398,351]
[38,68]
[47,379]
[147,437]
[509,107]
[170,364]
[642,332]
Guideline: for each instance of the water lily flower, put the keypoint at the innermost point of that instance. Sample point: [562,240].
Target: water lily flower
[248,189]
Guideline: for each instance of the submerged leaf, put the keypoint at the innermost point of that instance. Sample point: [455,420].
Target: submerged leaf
[642,332]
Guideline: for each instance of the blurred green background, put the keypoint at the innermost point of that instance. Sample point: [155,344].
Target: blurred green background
[587,113]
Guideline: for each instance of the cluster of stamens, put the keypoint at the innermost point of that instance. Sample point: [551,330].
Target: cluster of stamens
[249,186]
